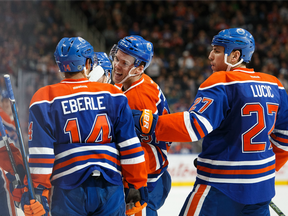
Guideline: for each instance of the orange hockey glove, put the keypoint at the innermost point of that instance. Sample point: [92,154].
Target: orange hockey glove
[145,122]
[34,209]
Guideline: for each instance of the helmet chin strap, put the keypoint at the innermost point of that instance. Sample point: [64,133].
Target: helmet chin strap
[129,75]
[230,65]
[85,72]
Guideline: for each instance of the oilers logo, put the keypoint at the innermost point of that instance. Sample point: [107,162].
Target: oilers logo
[81,40]
[240,31]
[149,46]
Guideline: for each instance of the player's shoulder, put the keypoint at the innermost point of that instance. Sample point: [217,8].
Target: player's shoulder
[40,95]
[147,86]
[239,75]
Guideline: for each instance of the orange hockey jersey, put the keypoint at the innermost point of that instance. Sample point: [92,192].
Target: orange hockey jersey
[146,94]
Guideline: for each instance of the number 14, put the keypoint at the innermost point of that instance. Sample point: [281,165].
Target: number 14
[100,131]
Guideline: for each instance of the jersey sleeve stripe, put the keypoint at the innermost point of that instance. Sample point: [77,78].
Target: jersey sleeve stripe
[135,160]
[41,170]
[154,150]
[129,142]
[198,128]
[205,122]
[283,132]
[41,150]
[285,148]
[131,151]
[188,125]
[41,160]
[279,138]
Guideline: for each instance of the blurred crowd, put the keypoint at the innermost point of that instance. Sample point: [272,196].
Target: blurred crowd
[181,32]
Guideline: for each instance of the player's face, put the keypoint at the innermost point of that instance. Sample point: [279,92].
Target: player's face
[216,58]
[122,63]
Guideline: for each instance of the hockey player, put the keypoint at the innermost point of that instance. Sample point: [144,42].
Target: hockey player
[243,116]
[131,56]
[82,140]
[7,206]
[102,68]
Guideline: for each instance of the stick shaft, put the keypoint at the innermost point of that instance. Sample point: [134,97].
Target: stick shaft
[276,209]
[18,130]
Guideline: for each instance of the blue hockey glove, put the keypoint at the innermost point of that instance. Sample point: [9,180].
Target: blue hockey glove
[36,207]
[145,122]
[136,200]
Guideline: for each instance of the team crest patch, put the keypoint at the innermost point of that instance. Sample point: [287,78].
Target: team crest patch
[240,31]
[149,46]
[81,39]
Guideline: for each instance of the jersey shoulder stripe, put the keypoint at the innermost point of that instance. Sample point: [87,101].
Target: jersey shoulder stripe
[68,88]
[242,75]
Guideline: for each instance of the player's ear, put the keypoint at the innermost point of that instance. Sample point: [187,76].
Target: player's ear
[139,70]
[88,64]
[235,56]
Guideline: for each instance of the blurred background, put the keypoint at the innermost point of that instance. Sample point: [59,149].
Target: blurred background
[181,32]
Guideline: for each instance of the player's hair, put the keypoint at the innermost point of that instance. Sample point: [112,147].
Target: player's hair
[71,54]
[236,39]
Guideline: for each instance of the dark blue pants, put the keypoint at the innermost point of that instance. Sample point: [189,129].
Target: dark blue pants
[205,200]
[95,196]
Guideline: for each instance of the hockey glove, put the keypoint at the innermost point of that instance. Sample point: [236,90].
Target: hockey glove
[145,122]
[36,207]
[136,200]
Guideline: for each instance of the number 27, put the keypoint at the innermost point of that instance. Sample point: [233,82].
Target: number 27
[248,145]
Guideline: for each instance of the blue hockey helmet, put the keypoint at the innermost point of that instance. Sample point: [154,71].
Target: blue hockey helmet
[103,61]
[71,54]
[137,47]
[236,39]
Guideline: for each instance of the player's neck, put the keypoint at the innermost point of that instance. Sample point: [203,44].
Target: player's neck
[129,82]
[76,75]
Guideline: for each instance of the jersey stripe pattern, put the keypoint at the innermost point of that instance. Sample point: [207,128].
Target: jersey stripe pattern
[243,117]
[146,94]
[76,127]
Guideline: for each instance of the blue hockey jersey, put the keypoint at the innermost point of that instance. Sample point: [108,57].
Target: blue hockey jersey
[78,126]
[243,116]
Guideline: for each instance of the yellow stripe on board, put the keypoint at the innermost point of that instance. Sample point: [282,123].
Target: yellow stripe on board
[177,184]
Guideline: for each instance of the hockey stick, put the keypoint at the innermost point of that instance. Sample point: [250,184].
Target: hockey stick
[18,130]
[7,145]
[276,209]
